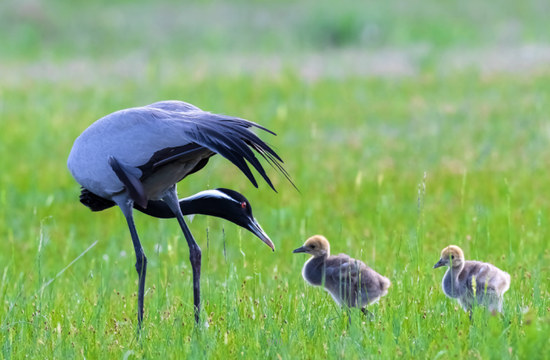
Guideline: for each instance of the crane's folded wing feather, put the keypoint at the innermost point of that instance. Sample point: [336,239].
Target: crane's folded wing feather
[228,136]
[132,183]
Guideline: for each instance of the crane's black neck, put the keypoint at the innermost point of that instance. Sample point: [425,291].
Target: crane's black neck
[161,210]
[200,204]
[195,205]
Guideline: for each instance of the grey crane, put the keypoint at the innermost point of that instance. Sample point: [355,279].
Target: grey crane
[133,158]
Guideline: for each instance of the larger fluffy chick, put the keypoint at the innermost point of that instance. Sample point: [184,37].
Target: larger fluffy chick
[349,281]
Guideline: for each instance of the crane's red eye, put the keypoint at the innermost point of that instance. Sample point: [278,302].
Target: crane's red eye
[243,205]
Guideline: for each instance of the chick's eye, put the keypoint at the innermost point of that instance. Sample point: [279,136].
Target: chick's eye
[452,256]
[243,205]
[313,246]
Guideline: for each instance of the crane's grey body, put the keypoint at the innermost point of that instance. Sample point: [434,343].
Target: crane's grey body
[491,284]
[347,280]
[165,125]
[135,157]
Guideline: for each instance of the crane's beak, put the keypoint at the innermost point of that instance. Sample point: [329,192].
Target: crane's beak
[257,230]
[299,250]
[439,264]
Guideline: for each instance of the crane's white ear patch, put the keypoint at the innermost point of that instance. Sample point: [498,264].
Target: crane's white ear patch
[190,218]
[211,194]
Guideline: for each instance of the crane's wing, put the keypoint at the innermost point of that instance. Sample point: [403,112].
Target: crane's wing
[144,139]
[228,136]
[186,153]
[133,185]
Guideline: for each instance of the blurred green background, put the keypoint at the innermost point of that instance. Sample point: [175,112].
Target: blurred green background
[95,29]
[366,97]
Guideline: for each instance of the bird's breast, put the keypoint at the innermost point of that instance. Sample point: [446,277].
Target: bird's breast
[313,271]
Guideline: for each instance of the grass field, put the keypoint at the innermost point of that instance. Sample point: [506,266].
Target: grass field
[445,146]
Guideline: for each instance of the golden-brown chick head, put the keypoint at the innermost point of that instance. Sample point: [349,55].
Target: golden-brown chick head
[316,246]
[452,256]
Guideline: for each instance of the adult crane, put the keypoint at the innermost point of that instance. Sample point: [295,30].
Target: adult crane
[133,158]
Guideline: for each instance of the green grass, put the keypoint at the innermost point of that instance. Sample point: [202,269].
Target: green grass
[358,151]
[356,146]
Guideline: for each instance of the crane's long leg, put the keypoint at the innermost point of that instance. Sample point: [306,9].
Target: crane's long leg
[195,254]
[141,259]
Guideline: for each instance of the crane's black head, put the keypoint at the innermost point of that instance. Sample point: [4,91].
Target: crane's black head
[226,204]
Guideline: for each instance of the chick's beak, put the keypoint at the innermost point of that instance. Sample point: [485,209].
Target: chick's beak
[439,264]
[299,250]
[257,230]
